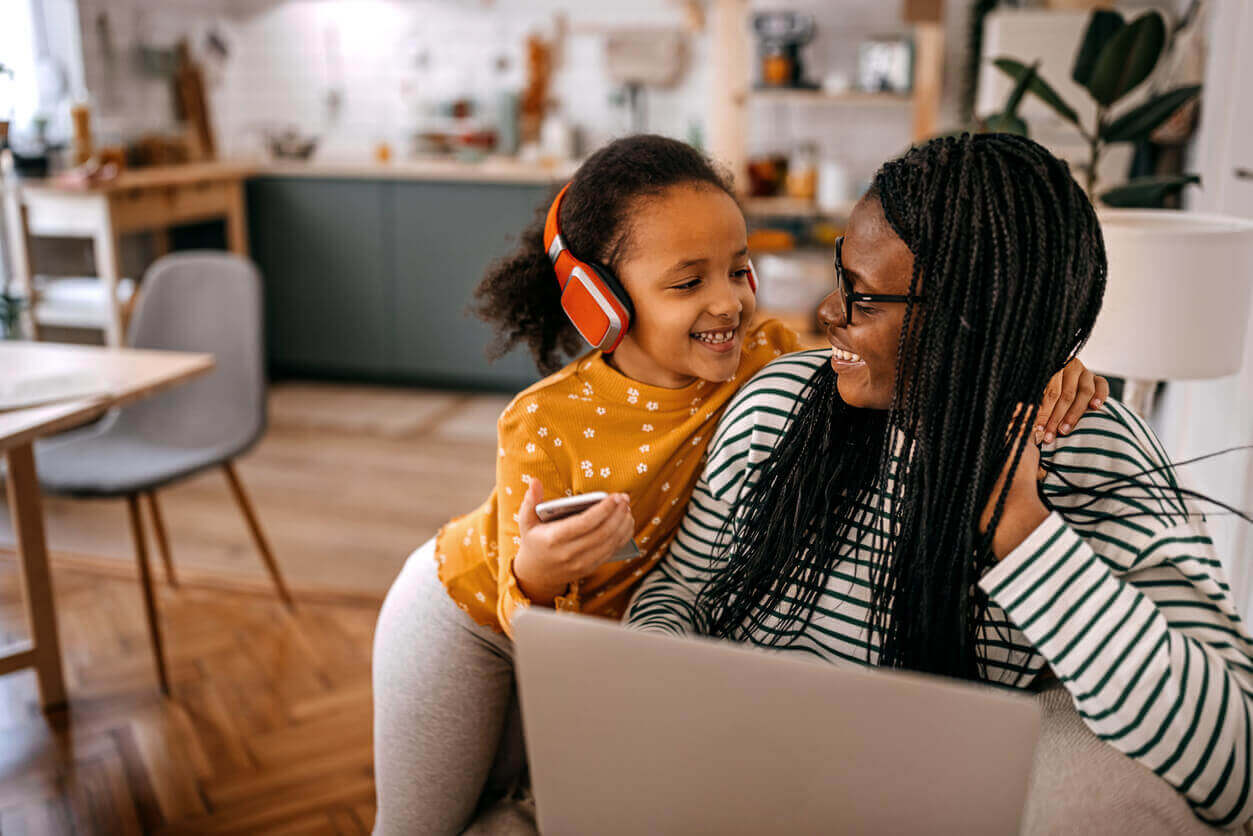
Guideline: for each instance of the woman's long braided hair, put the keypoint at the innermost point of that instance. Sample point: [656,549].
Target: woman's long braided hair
[1009,254]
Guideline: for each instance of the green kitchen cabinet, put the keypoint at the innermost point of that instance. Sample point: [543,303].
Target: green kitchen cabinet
[372,278]
[328,291]
[445,236]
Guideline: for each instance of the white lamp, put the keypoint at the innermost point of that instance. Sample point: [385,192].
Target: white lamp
[1177,302]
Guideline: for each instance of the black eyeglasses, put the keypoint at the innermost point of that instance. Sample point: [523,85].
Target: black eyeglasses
[845,288]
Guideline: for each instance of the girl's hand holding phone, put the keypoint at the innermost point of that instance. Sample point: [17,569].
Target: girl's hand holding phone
[552,555]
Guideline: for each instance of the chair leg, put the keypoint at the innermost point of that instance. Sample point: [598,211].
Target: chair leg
[237,488]
[163,541]
[150,601]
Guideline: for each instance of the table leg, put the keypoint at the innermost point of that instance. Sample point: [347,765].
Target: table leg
[236,222]
[108,268]
[26,508]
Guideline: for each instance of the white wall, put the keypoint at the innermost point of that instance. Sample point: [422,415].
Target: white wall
[1207,416]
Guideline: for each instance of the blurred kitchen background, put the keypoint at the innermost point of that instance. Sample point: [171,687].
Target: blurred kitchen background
[372,157]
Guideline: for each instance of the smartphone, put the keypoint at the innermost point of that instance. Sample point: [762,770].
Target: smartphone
[568,506]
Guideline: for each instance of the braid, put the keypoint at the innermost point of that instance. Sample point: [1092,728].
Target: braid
[1014,269]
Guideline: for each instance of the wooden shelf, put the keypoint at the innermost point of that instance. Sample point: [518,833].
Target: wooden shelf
[778,207]
[850,97]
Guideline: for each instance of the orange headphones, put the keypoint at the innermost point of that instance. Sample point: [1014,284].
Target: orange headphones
[591,295]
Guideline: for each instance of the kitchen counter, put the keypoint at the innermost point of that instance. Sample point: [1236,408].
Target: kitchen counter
[488,170]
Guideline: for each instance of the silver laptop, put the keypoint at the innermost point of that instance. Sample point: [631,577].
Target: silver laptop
[632,733]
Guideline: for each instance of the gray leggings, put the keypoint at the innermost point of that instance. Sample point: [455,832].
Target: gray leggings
[447,730]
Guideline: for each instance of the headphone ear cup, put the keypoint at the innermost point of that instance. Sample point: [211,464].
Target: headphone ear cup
[752,276]
[610,281]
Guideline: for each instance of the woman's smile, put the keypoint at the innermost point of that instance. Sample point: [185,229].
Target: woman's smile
[844,360]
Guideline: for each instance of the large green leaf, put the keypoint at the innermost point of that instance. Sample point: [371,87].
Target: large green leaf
[1005,123]
[1038,86]
[1139,122]
[1147,192]
[1020,89]
[1102,26]
[1128,58]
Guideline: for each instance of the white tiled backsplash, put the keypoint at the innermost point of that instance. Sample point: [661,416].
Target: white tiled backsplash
[286,57]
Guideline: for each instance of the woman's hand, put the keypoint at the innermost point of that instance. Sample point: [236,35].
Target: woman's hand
[1070,393]
[1024,510]
[554,554]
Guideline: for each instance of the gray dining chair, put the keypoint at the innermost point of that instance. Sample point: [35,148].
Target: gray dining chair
[197,301]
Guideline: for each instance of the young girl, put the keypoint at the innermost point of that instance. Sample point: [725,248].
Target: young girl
[656,218]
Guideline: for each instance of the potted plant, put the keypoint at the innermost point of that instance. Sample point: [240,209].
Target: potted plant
[1114,58]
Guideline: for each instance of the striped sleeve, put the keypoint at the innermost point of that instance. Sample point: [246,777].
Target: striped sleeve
[667,601]
[1134,616]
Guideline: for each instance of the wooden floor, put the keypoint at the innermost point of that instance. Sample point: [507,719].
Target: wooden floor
[268,728]
[347,481]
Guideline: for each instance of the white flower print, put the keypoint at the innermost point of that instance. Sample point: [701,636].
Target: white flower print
[695,440]
[572,396]
[604,473]
[644,448]
[569,492]
[509,490]
[556,442]
[517,517]
[480,596]
[692,411]
[465,541]
[501,452]
[589,433]
[641,468]
[638,572]
[633,395]
[647,428]
[600,410]
[517,541]
[653,406]
[643,540]
[665,486]
[543,432]
[530,447]
[656,520]
[531,407]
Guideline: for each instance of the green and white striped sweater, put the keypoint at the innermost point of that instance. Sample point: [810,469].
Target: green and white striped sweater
[1133,615]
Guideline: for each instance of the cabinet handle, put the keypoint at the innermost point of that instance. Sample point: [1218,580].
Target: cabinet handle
[1244,173]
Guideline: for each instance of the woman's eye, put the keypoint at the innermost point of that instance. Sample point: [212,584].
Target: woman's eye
[863,308]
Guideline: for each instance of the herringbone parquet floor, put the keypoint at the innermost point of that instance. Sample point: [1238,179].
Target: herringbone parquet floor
[267,729]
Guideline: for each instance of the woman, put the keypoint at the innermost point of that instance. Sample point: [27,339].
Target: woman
[972,267]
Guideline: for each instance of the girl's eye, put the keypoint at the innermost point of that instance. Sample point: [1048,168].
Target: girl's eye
[688,285]
[742,273]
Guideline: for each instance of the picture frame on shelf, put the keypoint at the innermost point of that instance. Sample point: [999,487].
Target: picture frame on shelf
[886,65]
